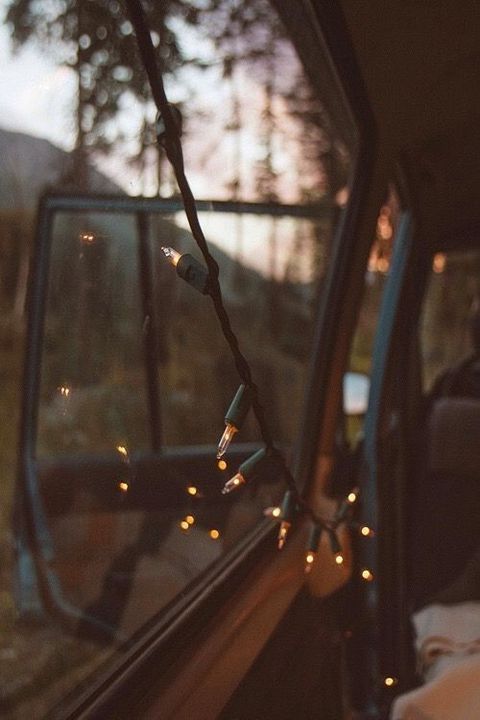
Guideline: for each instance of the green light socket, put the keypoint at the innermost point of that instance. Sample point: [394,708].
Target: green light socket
[289,506]
[254,464]
[239,407]
[193,272]
[314,538]
[334,542]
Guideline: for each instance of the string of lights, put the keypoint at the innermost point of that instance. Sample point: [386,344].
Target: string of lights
[206,281]
[168,135]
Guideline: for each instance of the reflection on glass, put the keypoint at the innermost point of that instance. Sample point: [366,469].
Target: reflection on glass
[92,383]
[451,303]
[130,529]
[271,298]
[119,516]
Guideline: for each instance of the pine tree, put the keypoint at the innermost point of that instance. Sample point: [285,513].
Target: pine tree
[96,41]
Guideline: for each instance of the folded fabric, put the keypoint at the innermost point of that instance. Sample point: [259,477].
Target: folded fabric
[453,695]
[445,630]
[448,653]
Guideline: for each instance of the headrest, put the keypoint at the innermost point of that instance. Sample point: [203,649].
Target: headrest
[454,436]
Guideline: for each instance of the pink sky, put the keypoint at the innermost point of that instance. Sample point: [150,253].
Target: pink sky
[37,98]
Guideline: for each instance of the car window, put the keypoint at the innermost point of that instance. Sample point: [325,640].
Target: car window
[356,382]
[93,390]
[93,395]
[129,374]
[450,303]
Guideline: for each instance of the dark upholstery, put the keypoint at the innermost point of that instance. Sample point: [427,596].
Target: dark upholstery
[444,513]
[454,437]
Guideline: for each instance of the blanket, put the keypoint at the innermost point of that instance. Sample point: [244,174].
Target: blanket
[448,654]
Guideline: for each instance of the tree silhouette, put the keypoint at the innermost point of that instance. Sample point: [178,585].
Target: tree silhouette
[96,40]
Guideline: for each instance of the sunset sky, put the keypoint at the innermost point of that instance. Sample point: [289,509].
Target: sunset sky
[38,97]
[35,93]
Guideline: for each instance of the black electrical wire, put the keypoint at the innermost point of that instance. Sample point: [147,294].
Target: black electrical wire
[173,148]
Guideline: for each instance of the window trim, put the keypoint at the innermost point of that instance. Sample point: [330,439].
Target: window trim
[135,668]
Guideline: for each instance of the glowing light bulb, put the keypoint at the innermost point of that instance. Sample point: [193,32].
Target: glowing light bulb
[390,681]
[339,559]
[439,263]
[184,525]
[65,391]
[214,534]
[123,487]
[344,508]
[234,483]
[366,531]
[172,255]
[287,513]
[189,269]
[367,575]
[192,490]
[226,439]
[273,512]
[282,533]
[247,470]
[87,238]
[222,465]
[122,450]
[190,519]
[309,560]
[313,544]
[235,417]
[352,496]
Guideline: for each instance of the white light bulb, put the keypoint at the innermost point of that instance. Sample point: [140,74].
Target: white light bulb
[234,483]
[226,439]
[172,255]
[282,533]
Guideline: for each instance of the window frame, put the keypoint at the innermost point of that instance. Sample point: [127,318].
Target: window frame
[137,668]
[141,209]
[28,492]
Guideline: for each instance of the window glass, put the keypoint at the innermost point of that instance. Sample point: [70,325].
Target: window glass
[123,484]
[116,313]
[271,276]
[450,304]
[362,347]
[93,389]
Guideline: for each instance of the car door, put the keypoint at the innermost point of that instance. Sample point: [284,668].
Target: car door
[167,589]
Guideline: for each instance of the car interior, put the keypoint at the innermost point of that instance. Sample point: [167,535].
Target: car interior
[149,588]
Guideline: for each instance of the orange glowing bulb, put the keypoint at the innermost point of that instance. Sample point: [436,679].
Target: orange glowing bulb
[309,560]
[282,534]
[367,575]
[366,531]
[172,255]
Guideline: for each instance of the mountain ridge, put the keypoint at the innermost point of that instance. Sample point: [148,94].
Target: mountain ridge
[29,166]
